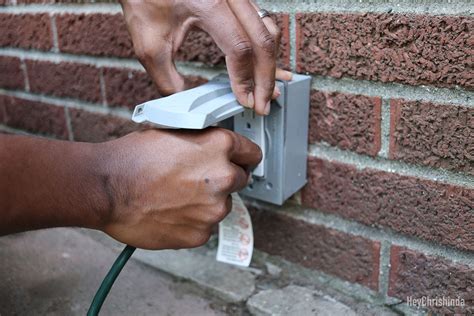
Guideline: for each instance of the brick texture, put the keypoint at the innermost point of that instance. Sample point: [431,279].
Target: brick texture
[349,257]
[107,35]
[283,22]
[64,1]
[96,127]
[433,134]
[2,108]
[36,1]
[128,88]
[346,121]
[125,87]
[417,275]
[31,31]
[69,80]
[200,47]
[11,73]
[426,209]
[405,48]
[35,117]
[94,34]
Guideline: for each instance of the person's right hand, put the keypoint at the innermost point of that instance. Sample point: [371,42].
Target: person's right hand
[168,188]
[249,43]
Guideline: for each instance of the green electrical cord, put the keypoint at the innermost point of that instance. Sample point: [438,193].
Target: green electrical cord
[109,280]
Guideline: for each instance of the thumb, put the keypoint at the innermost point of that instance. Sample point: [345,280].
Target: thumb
[151,31]
[158,62]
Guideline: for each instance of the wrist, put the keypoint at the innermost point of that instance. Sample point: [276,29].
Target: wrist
[100,199]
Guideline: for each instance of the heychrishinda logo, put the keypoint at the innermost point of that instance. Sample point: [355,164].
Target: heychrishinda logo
[440,301]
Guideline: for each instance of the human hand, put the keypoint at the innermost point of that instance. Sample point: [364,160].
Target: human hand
[168,188]
[250,44]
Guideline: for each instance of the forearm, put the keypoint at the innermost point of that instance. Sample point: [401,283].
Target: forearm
[46,183]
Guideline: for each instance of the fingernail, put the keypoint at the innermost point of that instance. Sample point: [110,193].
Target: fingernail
[277,92]
[266,111]
[250,100]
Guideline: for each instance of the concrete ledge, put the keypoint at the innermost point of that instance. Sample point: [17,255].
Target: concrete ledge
[295,300]
[226,282]
[231,284]
[268,276]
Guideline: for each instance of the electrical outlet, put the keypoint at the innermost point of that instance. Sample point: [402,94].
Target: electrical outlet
[282,135]
[283,138]
[252,126]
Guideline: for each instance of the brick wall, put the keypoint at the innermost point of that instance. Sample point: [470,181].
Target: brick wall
[389,203]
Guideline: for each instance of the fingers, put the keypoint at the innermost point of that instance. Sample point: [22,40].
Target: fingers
[237,179]
[264,53]
[272,27]
[164,73]
[232,39]
[152,42]
[239,149]
[284,75]
[244,152]
[280,74]
[156,55]
[239,154]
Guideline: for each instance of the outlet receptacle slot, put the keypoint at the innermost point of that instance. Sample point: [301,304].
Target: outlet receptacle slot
[253,127]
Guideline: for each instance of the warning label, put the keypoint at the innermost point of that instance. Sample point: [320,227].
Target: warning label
[236,235]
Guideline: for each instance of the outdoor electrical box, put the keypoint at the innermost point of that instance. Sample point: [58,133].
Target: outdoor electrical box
[282,135]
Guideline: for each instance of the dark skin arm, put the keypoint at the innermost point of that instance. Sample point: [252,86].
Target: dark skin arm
[154,189]
[46,183]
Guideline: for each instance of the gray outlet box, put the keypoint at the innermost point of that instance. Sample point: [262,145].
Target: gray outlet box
[285,147]
[282,135]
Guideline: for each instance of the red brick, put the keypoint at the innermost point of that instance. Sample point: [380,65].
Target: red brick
[349,257]
[32,31]
[64,80]
[107,35]
[96,127]
[2,108]
[200,47]
[283,22]
[35,1]
[417,207]
[35,117]
[415,274]
[406,48]
[126,87]
[347,121]
[12,75]
[431,134]
[94,34]
[63,1]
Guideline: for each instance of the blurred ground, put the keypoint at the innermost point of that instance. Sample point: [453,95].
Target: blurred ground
[57,271]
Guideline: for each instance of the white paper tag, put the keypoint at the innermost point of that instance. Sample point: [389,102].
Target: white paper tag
[236,235]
